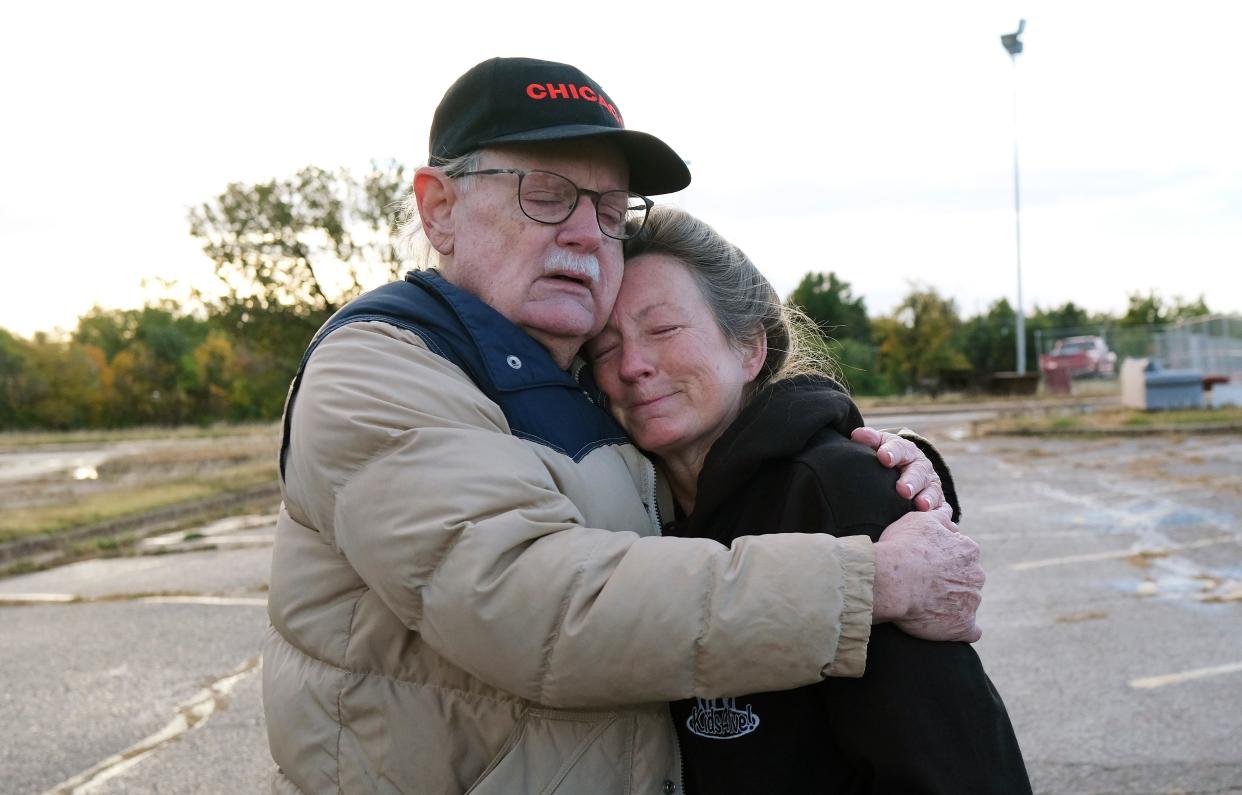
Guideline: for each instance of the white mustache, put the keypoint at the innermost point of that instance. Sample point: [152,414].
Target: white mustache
[562,261]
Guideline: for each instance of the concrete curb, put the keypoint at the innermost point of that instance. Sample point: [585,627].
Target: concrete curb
[1155,430]
[1002,406]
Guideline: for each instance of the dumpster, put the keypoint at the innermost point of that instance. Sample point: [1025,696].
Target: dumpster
[1146,385]
[1226,394]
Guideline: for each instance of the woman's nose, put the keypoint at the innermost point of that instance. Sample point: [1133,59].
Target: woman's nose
[635,363]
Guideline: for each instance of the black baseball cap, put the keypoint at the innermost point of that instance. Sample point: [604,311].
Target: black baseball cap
[520,100]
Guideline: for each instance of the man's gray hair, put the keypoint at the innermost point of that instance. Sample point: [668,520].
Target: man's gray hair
[411,241]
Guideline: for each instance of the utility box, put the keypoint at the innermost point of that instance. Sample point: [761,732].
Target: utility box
[1145,385]
[1227,394]
[1133,383]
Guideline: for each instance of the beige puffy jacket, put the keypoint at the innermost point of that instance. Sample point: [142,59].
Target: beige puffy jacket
[457,609]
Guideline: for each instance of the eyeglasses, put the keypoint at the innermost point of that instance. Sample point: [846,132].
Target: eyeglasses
[550,199]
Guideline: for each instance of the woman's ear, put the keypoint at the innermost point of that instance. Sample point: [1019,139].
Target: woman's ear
[434,193]
[753,357]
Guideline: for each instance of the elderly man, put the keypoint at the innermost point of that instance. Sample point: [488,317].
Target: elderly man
[469,590]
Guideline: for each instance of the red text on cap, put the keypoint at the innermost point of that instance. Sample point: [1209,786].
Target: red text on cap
[571,91]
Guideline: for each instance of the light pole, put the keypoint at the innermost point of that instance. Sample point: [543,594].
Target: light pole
[1013,45]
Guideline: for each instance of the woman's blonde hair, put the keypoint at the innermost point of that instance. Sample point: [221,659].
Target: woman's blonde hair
[742,300]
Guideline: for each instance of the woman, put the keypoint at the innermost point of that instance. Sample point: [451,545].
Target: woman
[701,366]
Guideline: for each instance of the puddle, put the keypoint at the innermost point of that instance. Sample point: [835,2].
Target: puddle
[79,464]
[235,531]
[151,597]
[1180,578]
[16,467]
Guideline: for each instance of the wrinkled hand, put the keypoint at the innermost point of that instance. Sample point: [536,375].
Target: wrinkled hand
[917,479]
[928,578]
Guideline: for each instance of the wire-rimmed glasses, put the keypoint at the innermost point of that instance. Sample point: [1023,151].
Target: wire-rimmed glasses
[550,198]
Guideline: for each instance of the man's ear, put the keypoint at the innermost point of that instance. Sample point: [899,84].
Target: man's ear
[434,193]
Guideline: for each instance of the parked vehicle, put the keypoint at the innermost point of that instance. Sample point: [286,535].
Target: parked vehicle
[1081,356]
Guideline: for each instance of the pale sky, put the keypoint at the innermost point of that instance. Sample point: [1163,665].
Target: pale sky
[875,139]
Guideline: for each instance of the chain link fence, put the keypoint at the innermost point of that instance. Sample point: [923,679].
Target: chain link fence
[1211,345]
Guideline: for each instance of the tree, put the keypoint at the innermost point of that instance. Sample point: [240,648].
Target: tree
[1066,316]
[830,302]
[62,387]
[1152,310]
[215,369]
[292,251]
[110,330]
[14,362]
[988,341]
[309,242]
[1185,310]
[918,343]
[1143,310]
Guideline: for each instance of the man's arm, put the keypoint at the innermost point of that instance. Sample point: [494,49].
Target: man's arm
[928,579]
[462,531]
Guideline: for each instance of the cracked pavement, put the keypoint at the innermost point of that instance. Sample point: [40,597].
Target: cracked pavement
[1112,625]
[137,674]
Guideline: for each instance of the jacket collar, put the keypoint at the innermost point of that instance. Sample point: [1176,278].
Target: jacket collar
[513,359]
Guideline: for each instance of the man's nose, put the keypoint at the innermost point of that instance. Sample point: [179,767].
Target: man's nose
[581,229]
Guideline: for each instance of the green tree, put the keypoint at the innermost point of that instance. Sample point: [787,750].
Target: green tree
[1185,310]
[918,343]
[842,317]
[110,330]
[14,366]
[290,252]
[1152,310]
[62,388]
[830,302]
[856,365]
[310,241]
[1144,310]
[988,340]
[1066,316]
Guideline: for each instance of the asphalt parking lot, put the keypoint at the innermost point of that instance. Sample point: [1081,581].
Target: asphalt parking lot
[1112,627]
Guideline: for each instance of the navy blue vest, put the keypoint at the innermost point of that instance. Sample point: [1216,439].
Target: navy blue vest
[541,402]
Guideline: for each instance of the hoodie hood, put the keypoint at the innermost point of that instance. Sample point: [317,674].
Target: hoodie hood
[777,423]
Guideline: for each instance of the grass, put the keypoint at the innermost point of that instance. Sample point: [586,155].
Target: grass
[11,441]
[1083,388]
[132,498]
[1224,415]
[1118,421]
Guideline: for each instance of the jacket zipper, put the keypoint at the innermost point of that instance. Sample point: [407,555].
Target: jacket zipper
[653,513]
[653,509]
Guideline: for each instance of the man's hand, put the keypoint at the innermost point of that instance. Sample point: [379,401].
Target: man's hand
[917,479]
[928,578]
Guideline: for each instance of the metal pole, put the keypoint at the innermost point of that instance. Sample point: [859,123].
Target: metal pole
[1017,224]
[1013,45]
